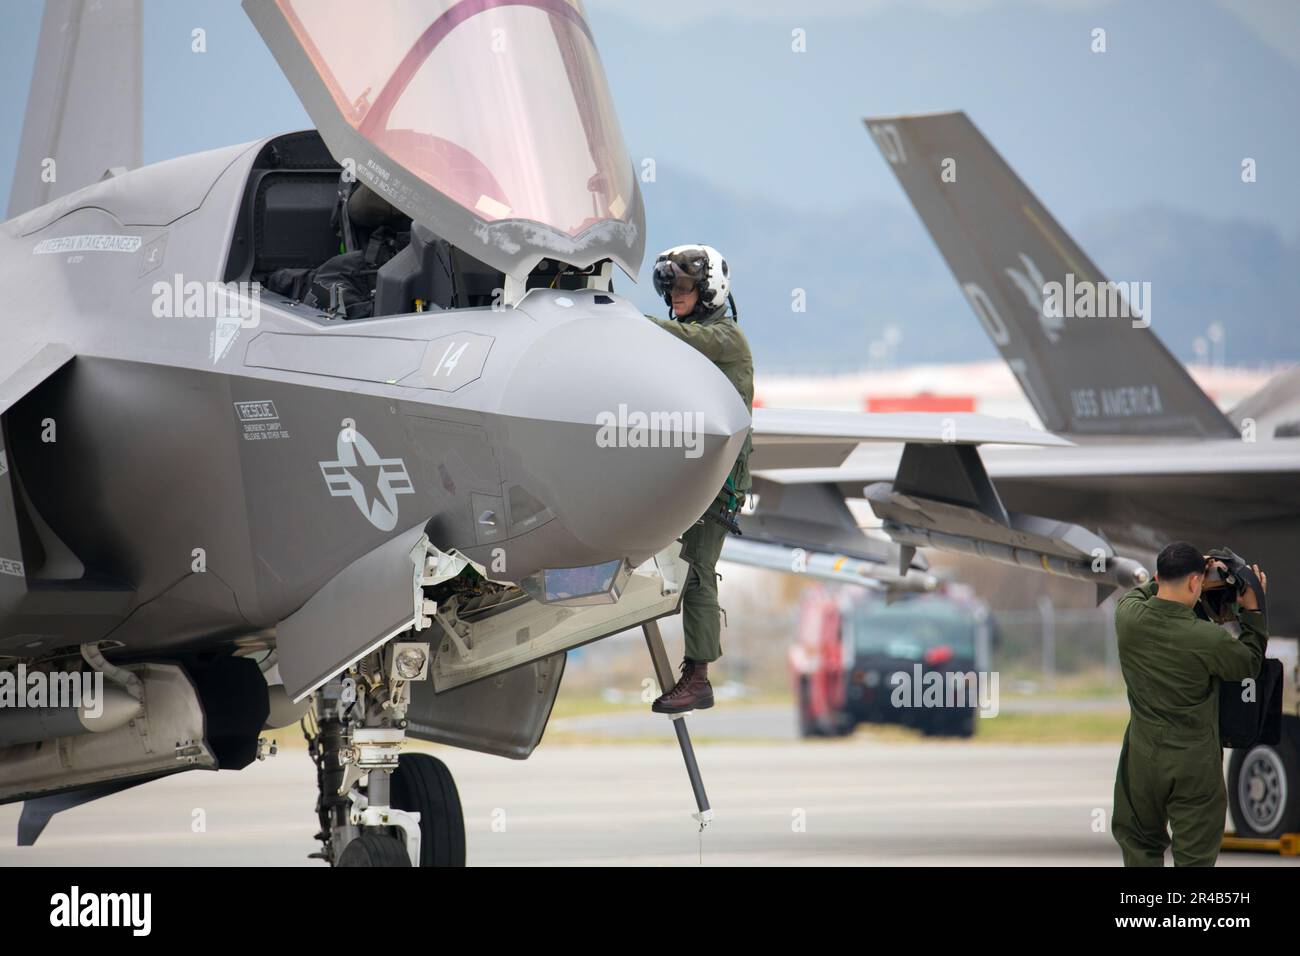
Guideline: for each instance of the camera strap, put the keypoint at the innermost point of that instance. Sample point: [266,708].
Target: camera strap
[1247,578]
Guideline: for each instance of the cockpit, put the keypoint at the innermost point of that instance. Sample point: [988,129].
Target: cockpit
[465,152]
[344,253]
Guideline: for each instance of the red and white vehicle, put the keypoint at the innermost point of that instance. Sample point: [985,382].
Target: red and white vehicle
[849,647]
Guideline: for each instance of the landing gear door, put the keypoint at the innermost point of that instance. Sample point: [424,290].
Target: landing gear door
[504,715]
[22,369]
[490,123]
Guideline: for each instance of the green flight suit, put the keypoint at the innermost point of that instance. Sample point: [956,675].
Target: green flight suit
[719,339]
[1171,765]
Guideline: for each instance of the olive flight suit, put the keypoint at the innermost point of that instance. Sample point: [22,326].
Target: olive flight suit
[1171,765]
[718,338]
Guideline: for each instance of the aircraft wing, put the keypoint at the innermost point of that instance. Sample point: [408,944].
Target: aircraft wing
[798,521]
[931,487]
[84,106]
[798,438]
[1207,461]
[1134,496]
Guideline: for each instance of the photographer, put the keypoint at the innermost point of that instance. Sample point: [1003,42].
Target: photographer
[1171,765]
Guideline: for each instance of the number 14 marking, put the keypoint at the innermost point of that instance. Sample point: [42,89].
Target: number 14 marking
[449,359]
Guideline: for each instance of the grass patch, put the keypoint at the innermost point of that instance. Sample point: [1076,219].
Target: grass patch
[1049,728]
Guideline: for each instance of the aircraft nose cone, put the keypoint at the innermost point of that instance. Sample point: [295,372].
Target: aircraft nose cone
[624,432]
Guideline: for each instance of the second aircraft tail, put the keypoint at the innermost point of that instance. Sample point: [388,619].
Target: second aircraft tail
[1080,345]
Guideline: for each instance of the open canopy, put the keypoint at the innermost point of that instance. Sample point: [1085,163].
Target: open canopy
[489,121]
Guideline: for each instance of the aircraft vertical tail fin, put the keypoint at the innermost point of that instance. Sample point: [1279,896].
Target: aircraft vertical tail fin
[83,110]
[1080,345]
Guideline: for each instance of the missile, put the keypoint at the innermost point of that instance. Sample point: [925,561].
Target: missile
[1108,569]
[824,566]
[984,529]
[25,725]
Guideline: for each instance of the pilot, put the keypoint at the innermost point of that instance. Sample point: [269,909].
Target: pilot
[695,285]
[1171,765]
[371,231]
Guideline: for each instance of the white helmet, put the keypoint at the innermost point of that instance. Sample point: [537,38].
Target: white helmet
[697,267]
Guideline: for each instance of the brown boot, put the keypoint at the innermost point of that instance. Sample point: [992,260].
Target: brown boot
[692,691]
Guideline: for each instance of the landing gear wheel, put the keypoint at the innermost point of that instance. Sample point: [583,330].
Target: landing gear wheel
[1264,789]
[423,784]
[374,849]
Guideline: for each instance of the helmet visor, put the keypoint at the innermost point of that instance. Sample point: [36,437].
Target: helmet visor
[669,278]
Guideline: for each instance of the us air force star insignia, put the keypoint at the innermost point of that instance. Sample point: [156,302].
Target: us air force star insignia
[373,483]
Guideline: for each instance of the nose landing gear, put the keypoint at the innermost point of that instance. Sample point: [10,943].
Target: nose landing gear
[378,806]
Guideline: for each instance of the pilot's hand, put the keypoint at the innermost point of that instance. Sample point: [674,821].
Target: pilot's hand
[1248,600]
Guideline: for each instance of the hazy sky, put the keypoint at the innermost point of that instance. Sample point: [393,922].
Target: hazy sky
[1185,91]
[715,93]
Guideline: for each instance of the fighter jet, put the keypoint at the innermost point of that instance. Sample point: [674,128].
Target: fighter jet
[1155,460]
[242,494]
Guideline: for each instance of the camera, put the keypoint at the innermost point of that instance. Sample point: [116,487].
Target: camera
[1227,576]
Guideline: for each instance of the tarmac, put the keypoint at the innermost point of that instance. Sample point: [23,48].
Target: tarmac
[777,722]
[823,802]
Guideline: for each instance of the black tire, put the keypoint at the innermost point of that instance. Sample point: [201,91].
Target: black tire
[1264,786]
[375,849]
[807,725]
[933,721]
[963,724]
[423,784]
[947,723]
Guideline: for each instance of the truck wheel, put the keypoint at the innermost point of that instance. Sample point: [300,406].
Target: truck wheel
[807,725]
[963,724]
[1264,786]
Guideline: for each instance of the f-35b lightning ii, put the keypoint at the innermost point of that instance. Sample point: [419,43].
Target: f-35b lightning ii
[239,502]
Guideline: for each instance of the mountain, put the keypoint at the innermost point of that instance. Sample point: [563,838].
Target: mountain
[760,150]
[875,266]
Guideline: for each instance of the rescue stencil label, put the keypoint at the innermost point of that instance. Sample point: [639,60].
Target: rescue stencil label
[260,420]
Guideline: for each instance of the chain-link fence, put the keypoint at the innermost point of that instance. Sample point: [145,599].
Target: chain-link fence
[1051,645]
[1039,649]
